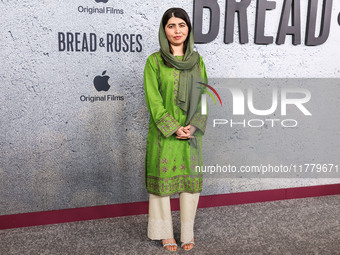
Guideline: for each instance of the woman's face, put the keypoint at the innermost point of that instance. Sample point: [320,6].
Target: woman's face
[176,31]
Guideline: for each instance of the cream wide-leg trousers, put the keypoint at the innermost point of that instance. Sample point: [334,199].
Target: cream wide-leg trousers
[160,219]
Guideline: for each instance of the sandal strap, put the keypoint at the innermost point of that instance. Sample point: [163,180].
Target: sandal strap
[169,244]
[187,243]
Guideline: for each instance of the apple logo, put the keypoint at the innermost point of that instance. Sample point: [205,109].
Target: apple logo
[101,82]
[103,1]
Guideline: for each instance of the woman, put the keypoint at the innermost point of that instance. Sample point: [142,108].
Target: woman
[176,126]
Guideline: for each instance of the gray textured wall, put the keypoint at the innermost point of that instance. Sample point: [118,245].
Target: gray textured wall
[58,152]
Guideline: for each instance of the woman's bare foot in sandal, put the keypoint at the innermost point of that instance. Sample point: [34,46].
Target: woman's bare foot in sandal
[172,247]
[188,246]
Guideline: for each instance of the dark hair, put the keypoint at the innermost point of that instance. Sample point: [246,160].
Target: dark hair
[178,13]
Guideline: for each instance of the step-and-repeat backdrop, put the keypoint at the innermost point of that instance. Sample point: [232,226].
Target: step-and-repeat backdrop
[73,114]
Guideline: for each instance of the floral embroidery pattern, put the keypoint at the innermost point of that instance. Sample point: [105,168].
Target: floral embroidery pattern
[167,125]
[183,167]
[164,169]
[169,186]
[164,161]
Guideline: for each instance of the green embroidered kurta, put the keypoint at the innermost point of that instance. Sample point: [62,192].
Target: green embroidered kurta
[170,162]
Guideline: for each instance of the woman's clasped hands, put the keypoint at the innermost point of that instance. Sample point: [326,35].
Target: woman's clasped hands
[184,132]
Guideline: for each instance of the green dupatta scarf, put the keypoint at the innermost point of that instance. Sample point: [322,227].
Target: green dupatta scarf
[188,95]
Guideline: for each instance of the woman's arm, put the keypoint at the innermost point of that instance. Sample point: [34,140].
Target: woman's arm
[199,121]
[165,122]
